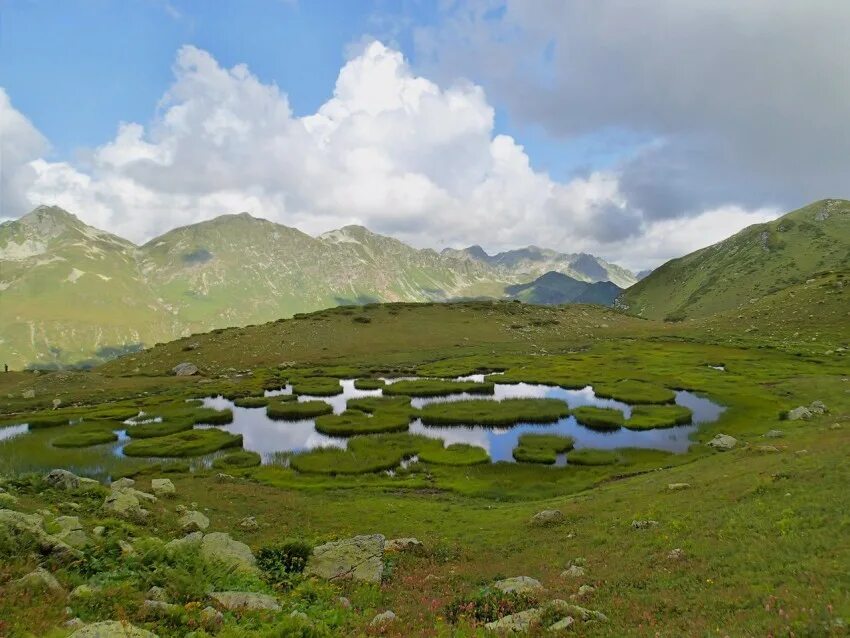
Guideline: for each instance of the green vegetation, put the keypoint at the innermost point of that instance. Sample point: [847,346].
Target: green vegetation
[189,443]
[494,413]
[590,456]
[317,386]
[436,388]
[633,391]
[80,436]
[602,419]
[454,454]
[47,422]
[158,428]
[647,417]
[251,402]
[352,422]
[374,404]
[369,384]
[541,448]
[237,460]
[297,410]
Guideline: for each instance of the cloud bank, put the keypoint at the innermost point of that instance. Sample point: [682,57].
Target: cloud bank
[394,151]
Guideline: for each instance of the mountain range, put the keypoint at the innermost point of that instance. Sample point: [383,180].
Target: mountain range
[71,294]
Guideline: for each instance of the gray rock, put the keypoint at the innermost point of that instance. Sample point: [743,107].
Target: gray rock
[122,483]
[30,526]
[818,407]
[767,449]
[185,369]
[573,571]
[160,609]
[193,521]
[382,619]
[179,545]
[158,594]
[518,584]
[774,434]
[799,414]
[249,524]
[40,580]
[244,601]
[123,504]
[584,591]
[300,615]
[56,403]
[723,442]
[359,558]
[28,394]
[112,629]
[127,548]
[403,545]
[675,487]
[73,623]
[676,554]
[563,609]
[71,531]
[163,487]
[65,480]
[563,625]
[211,618]
[547,518]
[518,623]
[644,524]
[219,547]
[83,591]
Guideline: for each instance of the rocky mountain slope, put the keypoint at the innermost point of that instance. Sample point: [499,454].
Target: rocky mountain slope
[71,293]
[531,262]
[555,288]
[742,269]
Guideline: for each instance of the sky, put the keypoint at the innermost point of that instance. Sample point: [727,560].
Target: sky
[634,131]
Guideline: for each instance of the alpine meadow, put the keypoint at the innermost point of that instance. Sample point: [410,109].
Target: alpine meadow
[509,331]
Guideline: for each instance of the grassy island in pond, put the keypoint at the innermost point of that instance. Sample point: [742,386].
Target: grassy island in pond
[297,410]
[80,436]
[436,388]
[353,422]
[190,443]
[603,419]
[494,413]
[541,448]
[634,392]
[647,417]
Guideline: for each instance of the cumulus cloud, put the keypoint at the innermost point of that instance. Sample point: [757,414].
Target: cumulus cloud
[20,143]
[391,150]
[747,101]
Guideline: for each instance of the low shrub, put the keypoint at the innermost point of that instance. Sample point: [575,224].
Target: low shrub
[279,562]
[488,605]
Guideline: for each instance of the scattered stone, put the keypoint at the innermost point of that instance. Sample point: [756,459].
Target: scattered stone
[98,531]
[158,594]
[127,548]
[676,554]
[818,407]
[518,623]
[767,449]
[402,545]
[675,487]
[344,602]
[249,524]
[65,480]
[518,584]
[799,414]
[57,403]
[179,545]
[563,625]
[163,487]
[723,442]
[83,591]
[73,624]
[211,618]
[30,526]
[573,571]
[40,580]
[300,615]
[142,496]
[111,629]
[71,531]
[123,504]
[122,483]
[583,592]
[221,477]
[193,521]
[244,601]
[28,394]
[180,509]
[357,558]
[644,524]
[774,434]
[159,609]
[220,547]
[382,619]
[70,506]
[185,369]
[547,518]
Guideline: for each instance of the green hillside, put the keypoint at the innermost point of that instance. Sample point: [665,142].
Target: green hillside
[755,262]
[555,288]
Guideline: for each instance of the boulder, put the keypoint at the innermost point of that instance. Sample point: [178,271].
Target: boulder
[519,585]
[163,487]
[547,518]
[563,609]
[675,487]
[83,591]
[358,558]
[71,531]
[112,629]
[29,527]
[249,524]
[573,571]
[774,434]
[193,521]
[160,609]
[123,504]
[403,545]
[382,619]
[518,623]
[564,624]
[185,369]
[145,497]
[158,594]
[723,442]
[767,449]
[179,545]
[818,407]
[40,580]
[122,483]
[219,547]
[584,591]
[644,524]
[799,414]
[211,619]
[676,554]
[244,601]
[65,480]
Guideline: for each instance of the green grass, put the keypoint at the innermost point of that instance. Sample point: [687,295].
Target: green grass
[162,428]
[297,410]
[369,384]
[591,456]
[251,402]
[317,386]
[494,413]
[333,461]
[375,404]
[353,422]
[455,454]
[182,444]
[647,417]
[633,391]
[436,388]
[47,422]
[541,448]
[209,416]
[80,436]
[237,460]
[603,419]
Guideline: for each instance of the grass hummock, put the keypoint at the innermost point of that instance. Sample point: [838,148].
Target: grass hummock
[159,428]
[237,460]
[454,454]
[369,384]
[494,413]
[80,436]
[364,454]
[602,419]
[189,443]
[353,422]
[436,388]
[592,456]
[634,392]
[317,386]
[541,448]
[297,410]
[374,404]
[251,402]
[647,417]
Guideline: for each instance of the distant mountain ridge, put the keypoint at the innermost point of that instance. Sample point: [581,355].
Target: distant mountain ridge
[555,288]
[740,270]
[70,292]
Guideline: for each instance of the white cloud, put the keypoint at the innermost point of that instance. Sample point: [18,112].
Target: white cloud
[20,143]
[390,150]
